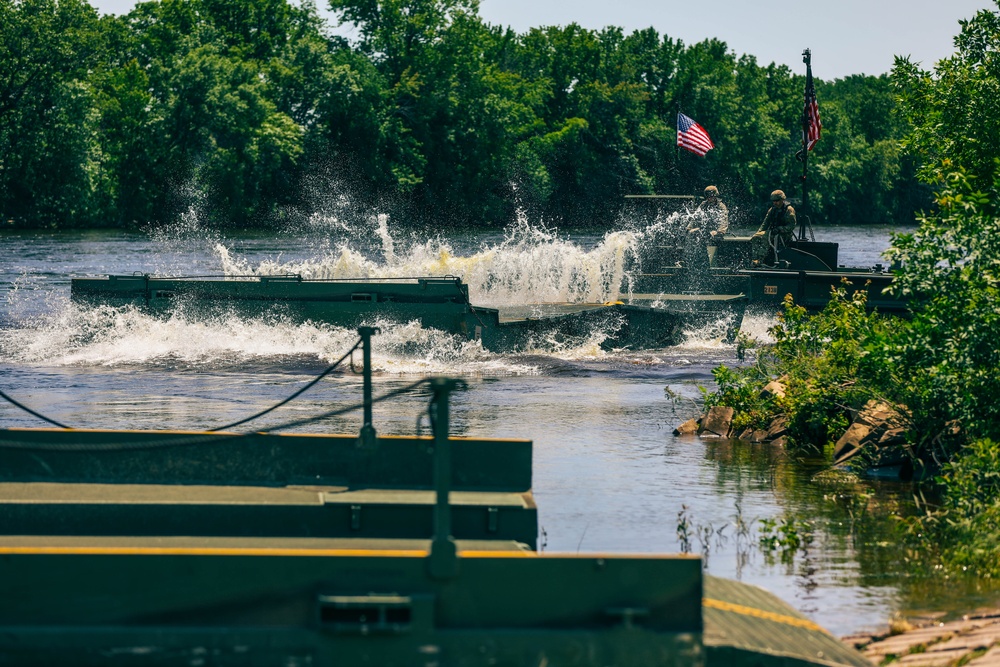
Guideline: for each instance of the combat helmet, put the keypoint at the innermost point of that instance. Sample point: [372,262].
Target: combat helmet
[711,191]
[777,195]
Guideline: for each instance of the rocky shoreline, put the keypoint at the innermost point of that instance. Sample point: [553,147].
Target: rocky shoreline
[877,430]
[971,641]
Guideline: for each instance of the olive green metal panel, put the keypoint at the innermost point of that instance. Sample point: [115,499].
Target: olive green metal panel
[625,326]
[734,252]
[357,609]
[746,625]
[257,459]
[404,290]
[229,588]
[811,289]
[169,646]
[158,510]
[438,303]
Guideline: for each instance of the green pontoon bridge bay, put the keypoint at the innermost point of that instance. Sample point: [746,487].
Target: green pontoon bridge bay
[238,548]
[436,302]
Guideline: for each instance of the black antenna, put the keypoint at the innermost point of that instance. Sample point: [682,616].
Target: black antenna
[803,154]
[677,144]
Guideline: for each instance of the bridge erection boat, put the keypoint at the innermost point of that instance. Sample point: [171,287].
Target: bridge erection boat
[436,302]
[806,269]
[677,261]
[225,548]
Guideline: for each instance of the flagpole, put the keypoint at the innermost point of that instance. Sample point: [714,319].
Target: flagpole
[677,145]
[807,59]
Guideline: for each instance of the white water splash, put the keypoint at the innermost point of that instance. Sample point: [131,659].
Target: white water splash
[120,336]
[531,264]
[757,326]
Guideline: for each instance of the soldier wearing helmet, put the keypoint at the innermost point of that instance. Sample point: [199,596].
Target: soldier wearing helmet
[710,222]
[777,229]
[716,211]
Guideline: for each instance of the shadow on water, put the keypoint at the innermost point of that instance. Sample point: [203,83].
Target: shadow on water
[832,528]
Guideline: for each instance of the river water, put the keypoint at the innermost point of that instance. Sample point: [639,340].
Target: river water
[609,475]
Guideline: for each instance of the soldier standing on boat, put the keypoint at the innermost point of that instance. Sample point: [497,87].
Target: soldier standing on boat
[709,224]
[776,231]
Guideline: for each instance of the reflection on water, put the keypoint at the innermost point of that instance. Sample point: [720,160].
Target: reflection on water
[608,473]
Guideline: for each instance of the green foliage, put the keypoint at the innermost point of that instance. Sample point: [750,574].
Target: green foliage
[49,160]
[961,532]
[830,363]
[833,362]
[952,112]
[942,364]
[740,390]
[785,536]
[951,262]
[949,353]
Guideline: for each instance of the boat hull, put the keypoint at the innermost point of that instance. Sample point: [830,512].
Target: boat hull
[806,270]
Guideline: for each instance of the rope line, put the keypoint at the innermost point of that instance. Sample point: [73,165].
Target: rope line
[31,412]
[6,443]
[295,395]
[357,406]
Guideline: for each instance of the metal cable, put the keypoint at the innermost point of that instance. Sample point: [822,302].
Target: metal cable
[340,411]
[31,412]
[198,439]
[298,393]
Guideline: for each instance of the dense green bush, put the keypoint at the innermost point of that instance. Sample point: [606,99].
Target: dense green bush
[830,363]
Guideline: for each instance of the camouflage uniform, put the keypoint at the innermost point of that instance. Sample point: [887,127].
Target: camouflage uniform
[712,223]
[718,217]
[777,230]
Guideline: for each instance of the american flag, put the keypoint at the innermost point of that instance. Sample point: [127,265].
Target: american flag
[692,136]
[810,126]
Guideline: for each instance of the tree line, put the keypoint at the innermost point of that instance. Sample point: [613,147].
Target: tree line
[255,112]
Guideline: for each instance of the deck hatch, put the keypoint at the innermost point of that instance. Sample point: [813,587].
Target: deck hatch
[366,614]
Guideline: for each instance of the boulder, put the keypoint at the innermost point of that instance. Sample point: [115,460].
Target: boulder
[877,423]
[851,442]
[690,427]
[892,436]
[777,428]
[717,422]
[875,413]
[773,388]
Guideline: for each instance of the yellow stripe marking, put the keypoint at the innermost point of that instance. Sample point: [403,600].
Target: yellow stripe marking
[207,551]
[247,551]
[760,613]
